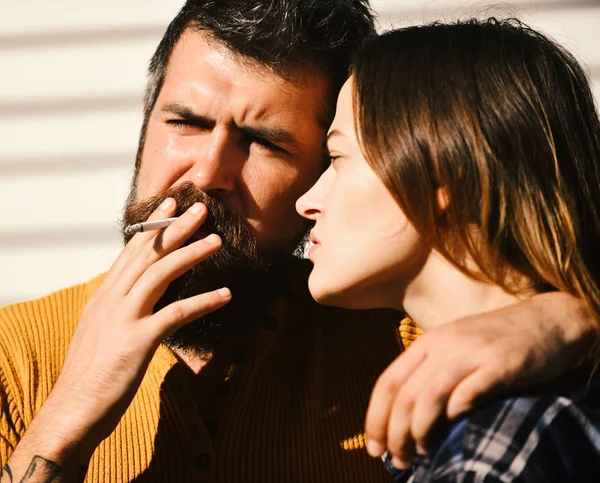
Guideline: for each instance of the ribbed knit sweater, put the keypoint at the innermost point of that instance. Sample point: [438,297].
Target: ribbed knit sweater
[286,404]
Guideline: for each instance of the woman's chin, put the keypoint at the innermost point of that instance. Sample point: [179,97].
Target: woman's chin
[323,292]
[328,294]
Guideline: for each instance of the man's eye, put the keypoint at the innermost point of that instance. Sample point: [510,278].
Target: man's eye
[268,145]
[263,143]
[179,123]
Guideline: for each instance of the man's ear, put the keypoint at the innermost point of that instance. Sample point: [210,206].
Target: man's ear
[442,200]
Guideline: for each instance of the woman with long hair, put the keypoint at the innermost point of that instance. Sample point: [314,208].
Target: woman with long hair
[465,177]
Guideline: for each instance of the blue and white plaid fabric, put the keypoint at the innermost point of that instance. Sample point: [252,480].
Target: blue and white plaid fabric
[545,438]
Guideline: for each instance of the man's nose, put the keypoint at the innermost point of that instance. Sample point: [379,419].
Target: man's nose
[217,165]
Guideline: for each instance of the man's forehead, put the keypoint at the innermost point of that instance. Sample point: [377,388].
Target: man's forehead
[197,50]
[208,67]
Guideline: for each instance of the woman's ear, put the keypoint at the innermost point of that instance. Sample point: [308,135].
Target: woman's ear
[442,200]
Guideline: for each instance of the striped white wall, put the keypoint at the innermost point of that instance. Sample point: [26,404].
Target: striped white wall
[71,78]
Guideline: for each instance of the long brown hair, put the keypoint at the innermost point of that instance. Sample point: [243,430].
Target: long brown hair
[502,121]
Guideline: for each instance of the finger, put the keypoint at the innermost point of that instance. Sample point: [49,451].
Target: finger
[152,284]
[432,400]
[400,442]
[479,386]
[176,234]
[166,210]
[383,395]
[172,317]
[158,244]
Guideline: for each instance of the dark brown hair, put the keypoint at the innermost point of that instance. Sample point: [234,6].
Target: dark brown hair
[501,121]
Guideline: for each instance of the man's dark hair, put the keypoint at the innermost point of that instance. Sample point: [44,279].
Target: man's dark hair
[278,34]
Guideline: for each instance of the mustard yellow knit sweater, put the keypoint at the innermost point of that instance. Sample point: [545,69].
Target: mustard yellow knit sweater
[285,405]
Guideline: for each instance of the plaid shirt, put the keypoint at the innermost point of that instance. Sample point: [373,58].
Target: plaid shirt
[549,437]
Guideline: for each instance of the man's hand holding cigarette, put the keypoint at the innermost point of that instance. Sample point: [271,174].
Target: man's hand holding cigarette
[114,343]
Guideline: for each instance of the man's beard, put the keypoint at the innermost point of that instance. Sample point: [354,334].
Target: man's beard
[253,272]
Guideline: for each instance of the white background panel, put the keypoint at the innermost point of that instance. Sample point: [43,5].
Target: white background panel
[69,134]
[40,73]
[50,267]
[63,200]
[35,17]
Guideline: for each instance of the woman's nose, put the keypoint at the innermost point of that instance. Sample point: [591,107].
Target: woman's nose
[311,204]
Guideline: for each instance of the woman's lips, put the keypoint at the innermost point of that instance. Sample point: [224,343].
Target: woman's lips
[314,243]
[313,237]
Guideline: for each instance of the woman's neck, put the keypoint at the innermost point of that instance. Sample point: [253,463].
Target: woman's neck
[441,293]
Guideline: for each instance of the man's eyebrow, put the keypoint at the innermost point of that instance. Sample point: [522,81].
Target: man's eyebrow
[182,111]
[271,134]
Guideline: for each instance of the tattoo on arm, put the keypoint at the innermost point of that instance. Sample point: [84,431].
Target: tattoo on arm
[6,472]
[42,469]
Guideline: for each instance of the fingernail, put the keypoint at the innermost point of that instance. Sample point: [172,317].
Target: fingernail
[167,204]
[375,448]
[196,208]
[224,292]
[212,239]
[398,463]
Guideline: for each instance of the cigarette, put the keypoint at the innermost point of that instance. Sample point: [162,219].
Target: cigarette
[149,225]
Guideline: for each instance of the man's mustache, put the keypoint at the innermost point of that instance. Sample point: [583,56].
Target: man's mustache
[231,227]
